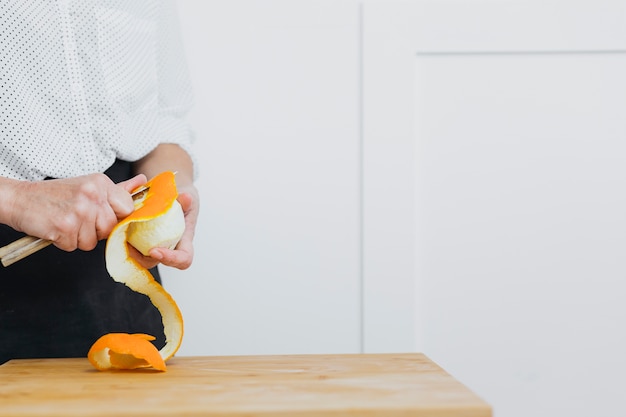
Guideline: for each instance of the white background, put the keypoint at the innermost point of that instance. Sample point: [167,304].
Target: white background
[276,120]
[516,235]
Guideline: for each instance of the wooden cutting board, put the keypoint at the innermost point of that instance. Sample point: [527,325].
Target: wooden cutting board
[365,385]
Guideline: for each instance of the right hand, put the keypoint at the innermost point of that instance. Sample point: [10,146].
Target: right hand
[73,213]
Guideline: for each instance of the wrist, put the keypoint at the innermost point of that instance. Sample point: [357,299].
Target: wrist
[9,206]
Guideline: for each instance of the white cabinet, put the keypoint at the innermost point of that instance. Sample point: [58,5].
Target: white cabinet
[495,171]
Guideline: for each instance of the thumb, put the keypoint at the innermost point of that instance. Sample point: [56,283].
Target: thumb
[133,183]
[119,197]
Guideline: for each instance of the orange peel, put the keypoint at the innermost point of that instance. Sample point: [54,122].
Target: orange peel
[125,351]
[158,221]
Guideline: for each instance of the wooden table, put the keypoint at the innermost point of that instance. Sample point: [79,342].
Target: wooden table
[365,385]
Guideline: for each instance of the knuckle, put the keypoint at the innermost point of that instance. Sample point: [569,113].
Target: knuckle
[89,189]
[81,209]
[65,225]
[95,187]
[103,231]
[53,236]
[99,178]
[65,244]
[88,245]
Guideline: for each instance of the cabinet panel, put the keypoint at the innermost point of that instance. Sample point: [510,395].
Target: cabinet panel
[520,227]
[493,170]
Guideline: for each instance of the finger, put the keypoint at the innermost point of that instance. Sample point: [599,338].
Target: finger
[135,182]
[105,222]
[186,201]
[120,201]
[178,258]
[64,233]
[87,236]
[145,261]
[190,209]
[66,243]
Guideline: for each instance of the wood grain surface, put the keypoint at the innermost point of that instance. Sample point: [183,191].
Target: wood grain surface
[367,385]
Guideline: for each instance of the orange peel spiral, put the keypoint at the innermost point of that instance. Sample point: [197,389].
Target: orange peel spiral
[156,221]
[125,351]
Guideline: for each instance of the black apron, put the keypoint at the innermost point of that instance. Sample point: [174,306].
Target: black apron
[56,304]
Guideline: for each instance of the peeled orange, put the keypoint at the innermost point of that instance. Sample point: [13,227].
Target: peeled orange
[158,221]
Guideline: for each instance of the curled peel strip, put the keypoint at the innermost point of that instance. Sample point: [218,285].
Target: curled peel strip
[125,351]
[152,213]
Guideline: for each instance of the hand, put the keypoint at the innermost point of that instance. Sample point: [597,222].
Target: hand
[73,213]
[180,257]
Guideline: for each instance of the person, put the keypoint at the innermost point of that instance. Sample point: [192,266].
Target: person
[93,100]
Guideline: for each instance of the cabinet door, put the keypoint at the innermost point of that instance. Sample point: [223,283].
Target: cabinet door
[495,196]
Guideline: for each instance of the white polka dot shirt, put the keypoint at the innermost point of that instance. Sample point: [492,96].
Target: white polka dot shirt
[84,82]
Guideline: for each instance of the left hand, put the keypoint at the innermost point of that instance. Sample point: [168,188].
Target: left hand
[181,256]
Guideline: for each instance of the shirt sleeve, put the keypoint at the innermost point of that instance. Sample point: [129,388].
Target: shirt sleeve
[175,97]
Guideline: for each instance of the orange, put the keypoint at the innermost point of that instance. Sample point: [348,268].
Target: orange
[157,220]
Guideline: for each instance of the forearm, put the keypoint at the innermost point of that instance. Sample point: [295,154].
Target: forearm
[167,157]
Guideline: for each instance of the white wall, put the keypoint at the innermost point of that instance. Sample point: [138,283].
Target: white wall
[276,117]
